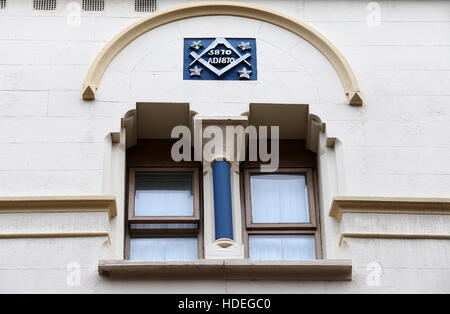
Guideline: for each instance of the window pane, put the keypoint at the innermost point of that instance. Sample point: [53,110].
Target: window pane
[279,198]
[163,249]
[164,194]
[282,247]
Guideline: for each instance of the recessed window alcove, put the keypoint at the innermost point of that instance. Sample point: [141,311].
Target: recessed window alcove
[141,66]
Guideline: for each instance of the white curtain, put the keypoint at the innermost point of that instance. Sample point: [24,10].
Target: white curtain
[163,249]
[279,198]
[164,194]
[282,247]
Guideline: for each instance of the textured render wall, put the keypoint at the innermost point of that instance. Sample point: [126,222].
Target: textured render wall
[398,144]
[402,66]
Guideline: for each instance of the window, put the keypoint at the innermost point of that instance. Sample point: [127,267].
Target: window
[282,247]
[281,214]
[44,5]
[2,4]
[163,194]
[164,214]
[279,198]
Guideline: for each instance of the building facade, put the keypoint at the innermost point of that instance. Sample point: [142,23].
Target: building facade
[117,174]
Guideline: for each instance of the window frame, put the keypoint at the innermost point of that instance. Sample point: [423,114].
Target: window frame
[311,228]
[164,219]
[165,233]
[280,226]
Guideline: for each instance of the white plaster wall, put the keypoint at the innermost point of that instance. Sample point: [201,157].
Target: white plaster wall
[406,266]
[402,138]
[284,76]
[397,144]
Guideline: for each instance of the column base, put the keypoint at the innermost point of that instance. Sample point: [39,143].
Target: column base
[224,243]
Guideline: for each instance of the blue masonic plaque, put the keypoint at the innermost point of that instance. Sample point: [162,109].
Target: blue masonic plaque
[225,59]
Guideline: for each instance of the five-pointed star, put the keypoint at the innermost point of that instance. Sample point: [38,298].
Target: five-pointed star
[197,45]
[244,73]
[196,71]
[245,46]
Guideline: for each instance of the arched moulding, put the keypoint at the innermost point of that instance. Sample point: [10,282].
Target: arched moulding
[119,42]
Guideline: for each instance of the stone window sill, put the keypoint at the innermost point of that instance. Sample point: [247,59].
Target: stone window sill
[234,269]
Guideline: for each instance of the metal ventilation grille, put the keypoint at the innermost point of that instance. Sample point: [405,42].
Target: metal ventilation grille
[93,5]
[2,4]
[44,5]
[146,5]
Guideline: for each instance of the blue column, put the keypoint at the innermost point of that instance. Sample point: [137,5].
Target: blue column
[223,215]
